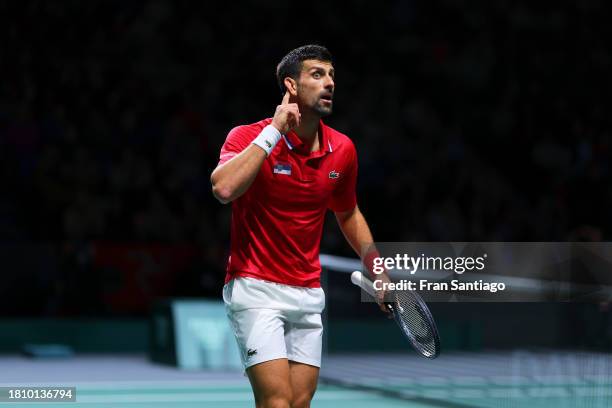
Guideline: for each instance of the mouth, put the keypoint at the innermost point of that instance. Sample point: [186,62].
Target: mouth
[327,98]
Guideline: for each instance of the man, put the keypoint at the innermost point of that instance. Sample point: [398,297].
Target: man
[281,175]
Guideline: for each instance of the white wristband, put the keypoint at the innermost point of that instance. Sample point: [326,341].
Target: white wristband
[267,139]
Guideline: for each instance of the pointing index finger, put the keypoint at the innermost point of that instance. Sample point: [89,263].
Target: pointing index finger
[286,98]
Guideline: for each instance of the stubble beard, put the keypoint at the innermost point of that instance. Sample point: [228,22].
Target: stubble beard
[323,111]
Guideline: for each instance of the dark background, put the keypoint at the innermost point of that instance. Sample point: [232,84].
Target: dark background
[474,121]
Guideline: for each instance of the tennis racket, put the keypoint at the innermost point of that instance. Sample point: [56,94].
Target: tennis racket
[411,314]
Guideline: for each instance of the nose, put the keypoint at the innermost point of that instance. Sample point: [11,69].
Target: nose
[329,83]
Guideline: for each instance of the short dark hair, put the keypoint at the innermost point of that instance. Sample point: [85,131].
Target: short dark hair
[291,64]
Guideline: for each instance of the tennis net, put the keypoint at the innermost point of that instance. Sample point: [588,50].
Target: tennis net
[517,354]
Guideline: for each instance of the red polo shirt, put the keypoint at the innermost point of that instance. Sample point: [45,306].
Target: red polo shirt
[277,224]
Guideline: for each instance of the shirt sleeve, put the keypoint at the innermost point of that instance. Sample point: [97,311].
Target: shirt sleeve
[238,139]
[344,197]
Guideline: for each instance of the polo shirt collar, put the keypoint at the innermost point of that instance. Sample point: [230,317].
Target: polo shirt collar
[293,141]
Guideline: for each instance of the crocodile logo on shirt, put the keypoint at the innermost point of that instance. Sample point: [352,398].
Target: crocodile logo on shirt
[251,352]
[334,174]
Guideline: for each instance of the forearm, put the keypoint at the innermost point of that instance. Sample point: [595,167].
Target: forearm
[233,178]
[357,232]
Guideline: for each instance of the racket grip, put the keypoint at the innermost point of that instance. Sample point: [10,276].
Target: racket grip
[364,283]
[356,278]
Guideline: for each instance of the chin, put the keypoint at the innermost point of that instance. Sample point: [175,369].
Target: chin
[322,112]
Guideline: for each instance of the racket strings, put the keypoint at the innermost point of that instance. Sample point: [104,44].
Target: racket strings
[415,321]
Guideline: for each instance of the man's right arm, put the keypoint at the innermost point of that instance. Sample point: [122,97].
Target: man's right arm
[233,178]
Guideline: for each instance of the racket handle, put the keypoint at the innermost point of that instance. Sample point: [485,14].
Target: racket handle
[364,283]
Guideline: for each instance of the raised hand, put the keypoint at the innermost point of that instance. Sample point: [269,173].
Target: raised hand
[287,115]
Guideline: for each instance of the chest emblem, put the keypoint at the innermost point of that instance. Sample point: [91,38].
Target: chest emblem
[282,168]
[334,174]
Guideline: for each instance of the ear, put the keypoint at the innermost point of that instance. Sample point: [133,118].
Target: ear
[291,85]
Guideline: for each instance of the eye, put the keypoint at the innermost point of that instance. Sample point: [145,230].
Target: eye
[316,75]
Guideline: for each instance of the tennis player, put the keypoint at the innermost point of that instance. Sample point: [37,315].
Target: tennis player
[281,175]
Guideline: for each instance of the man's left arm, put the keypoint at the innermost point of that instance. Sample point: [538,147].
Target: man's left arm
[355,229]
[357,232]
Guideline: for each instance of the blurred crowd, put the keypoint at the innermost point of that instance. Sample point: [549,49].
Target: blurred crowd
[474,121]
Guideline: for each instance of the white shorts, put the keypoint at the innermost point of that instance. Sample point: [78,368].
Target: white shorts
[272,321]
